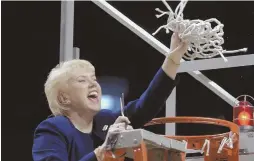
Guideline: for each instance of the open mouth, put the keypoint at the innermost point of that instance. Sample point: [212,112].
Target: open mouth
[93,96]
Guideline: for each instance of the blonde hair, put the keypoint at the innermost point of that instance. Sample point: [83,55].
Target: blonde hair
[57,78]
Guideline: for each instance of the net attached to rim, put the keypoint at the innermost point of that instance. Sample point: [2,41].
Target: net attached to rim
[220,147]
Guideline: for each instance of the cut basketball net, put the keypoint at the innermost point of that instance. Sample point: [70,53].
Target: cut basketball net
[228,141]
[207,145]
[204,41]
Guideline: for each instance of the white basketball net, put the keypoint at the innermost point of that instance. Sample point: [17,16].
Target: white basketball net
[204,41]
[226,142]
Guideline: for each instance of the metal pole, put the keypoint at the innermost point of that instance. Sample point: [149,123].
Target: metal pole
[171,112]
[76,53]
[66,30]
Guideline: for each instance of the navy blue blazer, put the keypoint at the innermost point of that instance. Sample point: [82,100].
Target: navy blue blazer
[56,138]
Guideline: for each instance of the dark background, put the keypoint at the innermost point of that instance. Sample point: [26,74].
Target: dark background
[30,48]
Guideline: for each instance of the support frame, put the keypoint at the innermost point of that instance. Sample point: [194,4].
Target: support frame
[209,64]
[67,52]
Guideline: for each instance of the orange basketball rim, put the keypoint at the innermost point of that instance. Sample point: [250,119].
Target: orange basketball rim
[218,147]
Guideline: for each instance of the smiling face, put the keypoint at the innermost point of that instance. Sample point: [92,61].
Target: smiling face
[83,91]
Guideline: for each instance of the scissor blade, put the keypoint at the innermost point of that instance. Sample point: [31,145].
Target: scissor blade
[121,102]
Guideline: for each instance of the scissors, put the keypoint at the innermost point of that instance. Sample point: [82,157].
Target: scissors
[122,104]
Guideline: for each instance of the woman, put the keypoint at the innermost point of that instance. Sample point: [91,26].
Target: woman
[78,128]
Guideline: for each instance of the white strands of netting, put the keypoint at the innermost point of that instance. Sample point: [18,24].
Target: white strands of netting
[227,141]
[204,40]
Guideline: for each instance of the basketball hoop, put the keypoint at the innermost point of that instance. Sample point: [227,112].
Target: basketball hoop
[218,147]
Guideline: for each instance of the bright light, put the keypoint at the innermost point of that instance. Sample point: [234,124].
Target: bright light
[107,102]
[243,114]
[244,118]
